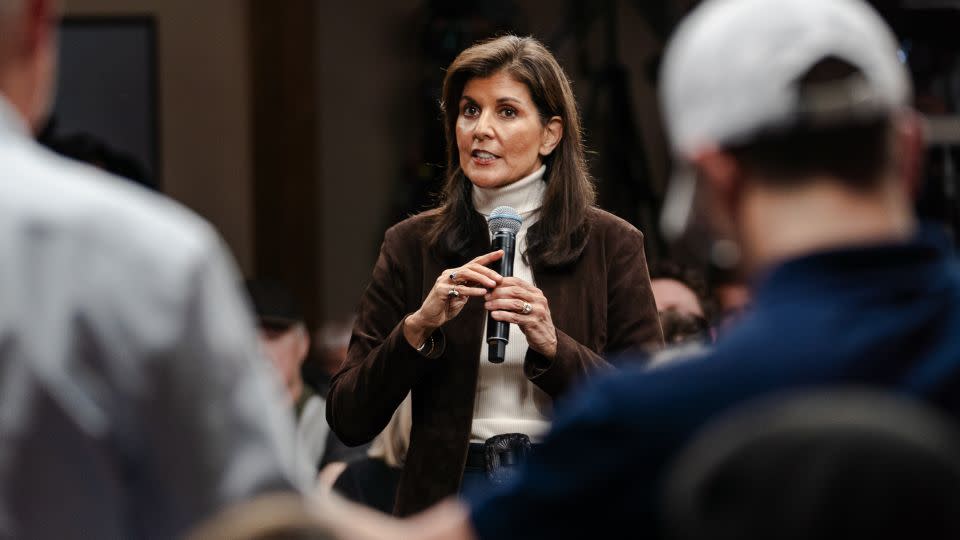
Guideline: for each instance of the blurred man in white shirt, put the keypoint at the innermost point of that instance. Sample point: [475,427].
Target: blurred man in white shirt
[133,400]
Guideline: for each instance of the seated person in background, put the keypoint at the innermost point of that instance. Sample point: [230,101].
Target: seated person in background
[683,303]
[329,351]
[794,118]
[683,328]
[285,340]
[372,480]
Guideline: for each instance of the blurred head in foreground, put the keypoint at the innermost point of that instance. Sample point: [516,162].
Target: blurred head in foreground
[839,463]
[28,56]
[790,129]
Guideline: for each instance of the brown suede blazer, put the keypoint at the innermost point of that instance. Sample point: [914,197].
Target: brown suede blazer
[600,304]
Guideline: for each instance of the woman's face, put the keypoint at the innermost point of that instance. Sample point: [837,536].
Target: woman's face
[499,133]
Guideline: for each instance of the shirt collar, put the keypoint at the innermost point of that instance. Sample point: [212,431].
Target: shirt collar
[848,270]
[10,120]
[524,195]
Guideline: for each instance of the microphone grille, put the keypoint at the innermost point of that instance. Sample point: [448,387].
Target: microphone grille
[504,217]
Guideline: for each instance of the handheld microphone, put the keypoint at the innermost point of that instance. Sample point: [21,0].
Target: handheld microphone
[504,223]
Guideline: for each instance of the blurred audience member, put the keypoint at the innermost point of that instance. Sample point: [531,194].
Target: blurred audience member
[791,123]
[683,302]
[681,328]
[133,401]
[828,465]
[681,288]
[372,480]
[806,161]
[329,351]
[286,342]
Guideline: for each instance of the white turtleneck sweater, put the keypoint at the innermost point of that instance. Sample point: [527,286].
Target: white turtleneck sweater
[507,402]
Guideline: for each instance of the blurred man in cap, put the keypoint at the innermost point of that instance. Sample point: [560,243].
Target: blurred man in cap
[133,402]
[286,342]
[790,119]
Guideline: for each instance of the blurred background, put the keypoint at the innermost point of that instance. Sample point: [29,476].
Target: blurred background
[302,129]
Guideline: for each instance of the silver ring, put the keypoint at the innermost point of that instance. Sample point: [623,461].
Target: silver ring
[527,308]
[453,276]
[453,292]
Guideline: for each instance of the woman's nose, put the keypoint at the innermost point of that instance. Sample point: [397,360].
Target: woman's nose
[484,127]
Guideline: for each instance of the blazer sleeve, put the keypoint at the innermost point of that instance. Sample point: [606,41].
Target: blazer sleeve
[633,323]
[381,367]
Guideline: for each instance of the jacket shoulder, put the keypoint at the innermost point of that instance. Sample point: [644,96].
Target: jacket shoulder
[99,211]
[606,226]
[411,232]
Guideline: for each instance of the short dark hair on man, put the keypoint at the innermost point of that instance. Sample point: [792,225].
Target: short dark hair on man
[857,151]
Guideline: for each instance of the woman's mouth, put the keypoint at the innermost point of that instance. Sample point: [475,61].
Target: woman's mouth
[482,157]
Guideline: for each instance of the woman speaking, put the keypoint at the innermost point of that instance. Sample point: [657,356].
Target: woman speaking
[580,288]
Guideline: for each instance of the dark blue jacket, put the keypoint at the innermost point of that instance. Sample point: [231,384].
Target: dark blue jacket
[886,316]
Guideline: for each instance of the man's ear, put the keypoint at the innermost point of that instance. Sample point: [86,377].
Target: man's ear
[40,18]
[721,172]
[303,342]
[908,150]
[552,133]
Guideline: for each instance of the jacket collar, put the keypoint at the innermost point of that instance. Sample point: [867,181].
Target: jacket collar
[840,273]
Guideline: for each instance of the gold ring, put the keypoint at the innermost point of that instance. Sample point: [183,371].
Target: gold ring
[453,292]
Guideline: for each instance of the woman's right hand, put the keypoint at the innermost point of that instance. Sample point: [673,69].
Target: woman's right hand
[449,295]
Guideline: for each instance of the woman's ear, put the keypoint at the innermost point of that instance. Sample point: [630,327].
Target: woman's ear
[552,133]
[303,342]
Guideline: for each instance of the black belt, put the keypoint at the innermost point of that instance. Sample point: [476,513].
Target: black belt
[508,453]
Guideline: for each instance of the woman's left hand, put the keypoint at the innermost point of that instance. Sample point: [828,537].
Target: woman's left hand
[518,302]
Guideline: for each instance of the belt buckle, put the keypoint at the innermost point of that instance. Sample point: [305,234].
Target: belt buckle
[503,453]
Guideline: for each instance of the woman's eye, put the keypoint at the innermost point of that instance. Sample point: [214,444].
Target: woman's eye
[509,113]
[471,110]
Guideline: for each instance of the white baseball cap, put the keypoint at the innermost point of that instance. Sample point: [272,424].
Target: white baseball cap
[731,68]
[730,73]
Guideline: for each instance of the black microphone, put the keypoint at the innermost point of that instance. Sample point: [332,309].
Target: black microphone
[504,223]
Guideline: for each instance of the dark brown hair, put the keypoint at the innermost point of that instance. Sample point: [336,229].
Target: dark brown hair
[559,235]
[857,150]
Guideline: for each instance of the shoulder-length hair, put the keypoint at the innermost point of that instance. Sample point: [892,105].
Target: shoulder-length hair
[559,236]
